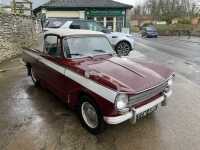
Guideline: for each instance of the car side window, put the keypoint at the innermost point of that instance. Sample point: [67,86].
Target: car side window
[52,46]
[77,24]
[91,25]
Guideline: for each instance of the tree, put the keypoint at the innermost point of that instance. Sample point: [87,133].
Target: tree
[169,9]
[138,10]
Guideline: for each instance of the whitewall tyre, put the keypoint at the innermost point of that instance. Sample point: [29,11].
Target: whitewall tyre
[90,116]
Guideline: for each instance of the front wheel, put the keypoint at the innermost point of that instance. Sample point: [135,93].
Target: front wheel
[90,116]
[123,48]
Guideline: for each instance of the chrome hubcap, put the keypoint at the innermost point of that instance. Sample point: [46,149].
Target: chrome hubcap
[123,48]
[89,115]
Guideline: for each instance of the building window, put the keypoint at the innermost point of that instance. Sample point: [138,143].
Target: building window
[90,18]
[111,19]
[119,23]
[100,20]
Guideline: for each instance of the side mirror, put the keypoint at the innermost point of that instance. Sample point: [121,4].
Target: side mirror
[75,26]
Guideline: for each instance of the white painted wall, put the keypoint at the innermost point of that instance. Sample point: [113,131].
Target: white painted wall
[68,14]
[82,14]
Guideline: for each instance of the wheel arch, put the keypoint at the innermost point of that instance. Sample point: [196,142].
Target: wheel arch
[90,96]
[106,107]
[74,97]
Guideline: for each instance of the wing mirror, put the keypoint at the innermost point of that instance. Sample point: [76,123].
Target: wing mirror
[105,31]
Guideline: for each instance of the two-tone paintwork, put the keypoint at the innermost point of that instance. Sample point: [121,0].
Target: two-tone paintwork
[101,77]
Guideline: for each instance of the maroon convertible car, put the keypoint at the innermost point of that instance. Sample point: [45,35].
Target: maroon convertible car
[82,69]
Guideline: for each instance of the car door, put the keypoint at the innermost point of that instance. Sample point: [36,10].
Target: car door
[36,65]
[54,69]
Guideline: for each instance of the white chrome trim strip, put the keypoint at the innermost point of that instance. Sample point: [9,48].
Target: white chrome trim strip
[98,89]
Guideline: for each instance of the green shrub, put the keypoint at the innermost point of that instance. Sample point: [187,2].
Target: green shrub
[175,29]
[147,24]
[135,29]
[184,21]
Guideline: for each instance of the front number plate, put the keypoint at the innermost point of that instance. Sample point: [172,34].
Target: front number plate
[145,113]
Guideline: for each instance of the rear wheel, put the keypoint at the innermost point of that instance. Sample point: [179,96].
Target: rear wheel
[33,77]
[123,48]
[90,115]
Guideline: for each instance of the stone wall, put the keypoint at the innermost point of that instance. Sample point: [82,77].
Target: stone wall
[15,32]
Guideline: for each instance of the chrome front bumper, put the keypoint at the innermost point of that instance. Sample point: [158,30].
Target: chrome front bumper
[132,115]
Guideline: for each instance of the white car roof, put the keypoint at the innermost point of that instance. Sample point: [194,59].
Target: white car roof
[69,32]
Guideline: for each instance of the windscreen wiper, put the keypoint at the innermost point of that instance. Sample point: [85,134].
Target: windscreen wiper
[75,54]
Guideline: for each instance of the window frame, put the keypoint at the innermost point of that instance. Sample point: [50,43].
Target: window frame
[78,36]
[59,43]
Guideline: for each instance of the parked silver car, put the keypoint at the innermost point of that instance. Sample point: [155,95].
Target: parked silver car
[122,43]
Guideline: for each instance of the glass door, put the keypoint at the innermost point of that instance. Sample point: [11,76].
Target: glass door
[119,23]
[100,20]
[109,23]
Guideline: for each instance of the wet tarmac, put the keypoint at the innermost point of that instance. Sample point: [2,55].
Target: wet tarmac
[33,119]
[180,53]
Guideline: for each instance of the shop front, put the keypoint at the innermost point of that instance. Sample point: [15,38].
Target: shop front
[108,13]
[114,20]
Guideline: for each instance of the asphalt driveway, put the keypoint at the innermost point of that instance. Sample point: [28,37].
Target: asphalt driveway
[179,53]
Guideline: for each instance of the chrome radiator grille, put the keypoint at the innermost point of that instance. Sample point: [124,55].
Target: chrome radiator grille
[147,94]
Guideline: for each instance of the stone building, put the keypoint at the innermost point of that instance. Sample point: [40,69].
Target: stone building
[23,7]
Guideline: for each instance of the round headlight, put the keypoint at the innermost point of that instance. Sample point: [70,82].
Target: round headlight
[121,101]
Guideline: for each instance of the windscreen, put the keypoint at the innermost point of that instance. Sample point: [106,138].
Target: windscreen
[86,46]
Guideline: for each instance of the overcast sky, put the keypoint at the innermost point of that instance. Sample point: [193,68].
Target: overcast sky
[131,2]
[39,2]
[36,3]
